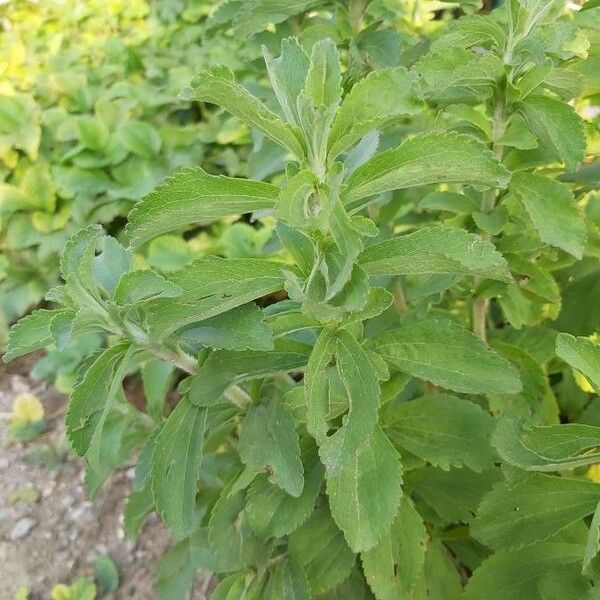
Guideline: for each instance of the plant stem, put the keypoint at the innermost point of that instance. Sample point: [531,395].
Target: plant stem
[488,202]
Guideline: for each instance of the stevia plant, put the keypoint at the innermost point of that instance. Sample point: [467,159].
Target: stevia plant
[374,409]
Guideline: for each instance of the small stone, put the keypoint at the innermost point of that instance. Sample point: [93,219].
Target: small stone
[22,528]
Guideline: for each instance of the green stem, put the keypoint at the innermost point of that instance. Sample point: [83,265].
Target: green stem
[488,202]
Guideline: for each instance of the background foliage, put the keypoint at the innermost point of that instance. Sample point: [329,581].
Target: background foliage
[411,296]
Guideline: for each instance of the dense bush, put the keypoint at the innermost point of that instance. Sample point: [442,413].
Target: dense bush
[384,383]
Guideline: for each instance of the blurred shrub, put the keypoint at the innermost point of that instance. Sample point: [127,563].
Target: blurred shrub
[89,123]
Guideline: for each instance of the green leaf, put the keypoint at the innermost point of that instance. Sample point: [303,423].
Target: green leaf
[373,102]
[255,15]
[37,188]
[30,333]
[299,246]
[112,260]
[436,250]
[592,546]
[454,495]
[445,431]
[193,196]
[136,287]
[515,575]
[421,349]
[566,582]
[439,580]
[475,30]
[274,513]
[139,502]
[364,496]
[328,562]
[558,126]
[323,81]
[552,209]
[93,397]
[141,138]
[217,86]
[287,580]
[229,534]
[425,159]
[232,587]
[225,367]
[157,379]
[178,567]
[77,266]
[449,201]
[106,574]
[176,461]
[525,15]
[212,286]
[582,354]
[241,328]
[316,385]
[458,76]
[532,510]
[362,391]
[288,75]
[547,448]
[93,132]
[349,244]
[169,252]
[268,440]
[393,565]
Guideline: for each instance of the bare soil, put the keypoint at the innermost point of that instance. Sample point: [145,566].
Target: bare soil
[68,531]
